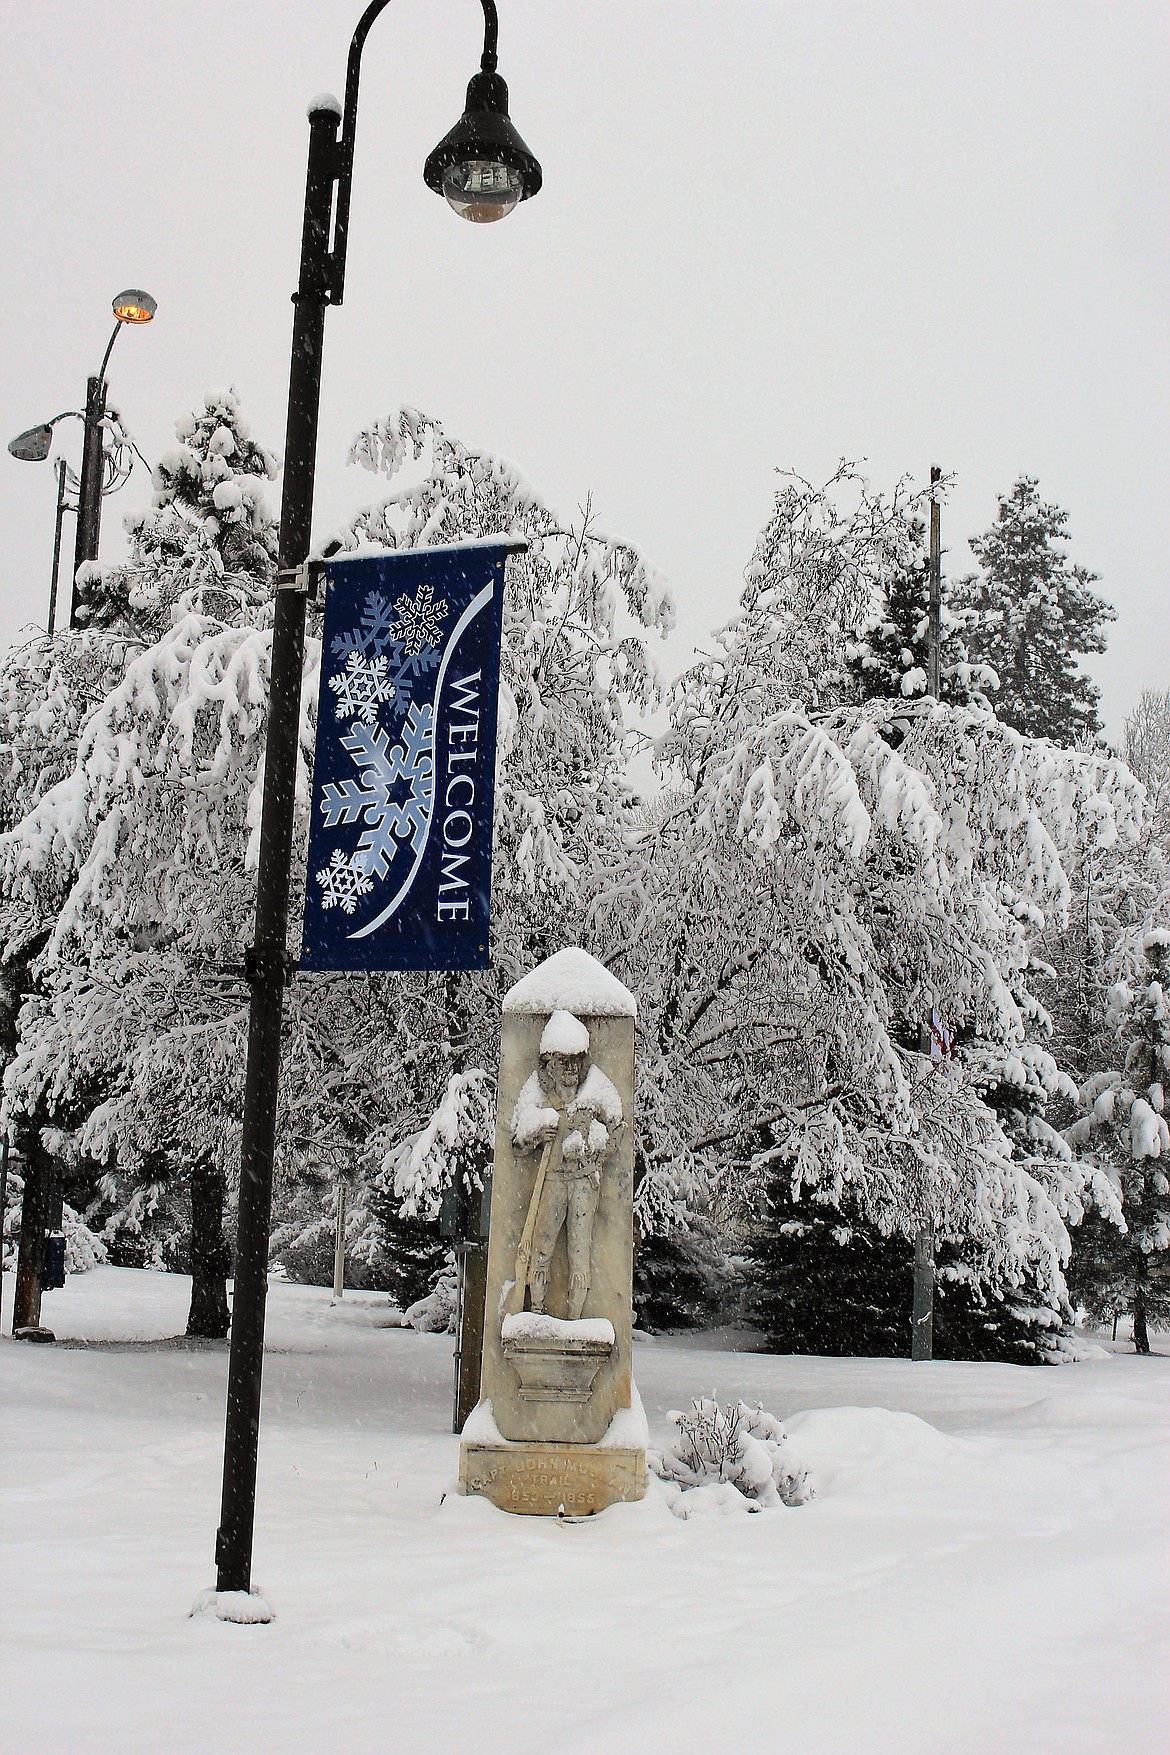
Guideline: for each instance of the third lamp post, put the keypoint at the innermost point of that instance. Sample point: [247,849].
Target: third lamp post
[33,446]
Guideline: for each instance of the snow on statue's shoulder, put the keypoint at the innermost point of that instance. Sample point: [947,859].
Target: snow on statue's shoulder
[598,1095]
[573,981]
[532,1115]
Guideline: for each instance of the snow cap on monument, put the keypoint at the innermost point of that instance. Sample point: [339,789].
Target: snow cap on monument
[572,981]
[564,1034]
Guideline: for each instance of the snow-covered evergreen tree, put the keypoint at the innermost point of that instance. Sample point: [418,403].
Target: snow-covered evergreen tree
[891,660]
[1124,1126]
[1146,747]
[208,538]
[1031,615]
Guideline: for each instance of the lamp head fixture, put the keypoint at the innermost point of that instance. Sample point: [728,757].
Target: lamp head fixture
[32,446]
[134,306]
[482,166]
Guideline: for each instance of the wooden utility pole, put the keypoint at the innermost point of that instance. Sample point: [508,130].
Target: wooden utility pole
[934,637]
[922,1312]
[3,1211]
[339,1245]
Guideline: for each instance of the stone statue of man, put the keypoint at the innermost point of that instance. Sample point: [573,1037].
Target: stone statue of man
[570,1112]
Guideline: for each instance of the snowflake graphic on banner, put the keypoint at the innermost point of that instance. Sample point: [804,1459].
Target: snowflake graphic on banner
[390,741]
[363,686]
[420,619]
[342,883]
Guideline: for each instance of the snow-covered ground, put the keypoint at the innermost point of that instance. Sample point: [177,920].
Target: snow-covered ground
[985,1567]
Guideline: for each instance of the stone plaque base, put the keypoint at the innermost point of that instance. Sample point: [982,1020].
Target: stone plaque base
[539,1479]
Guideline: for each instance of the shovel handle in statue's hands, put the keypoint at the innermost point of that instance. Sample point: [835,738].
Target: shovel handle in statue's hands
[524,1252]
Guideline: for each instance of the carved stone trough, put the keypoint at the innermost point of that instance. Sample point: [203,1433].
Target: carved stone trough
[556,1361]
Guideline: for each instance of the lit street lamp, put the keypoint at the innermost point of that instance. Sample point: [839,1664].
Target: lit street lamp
[133,306]
[99,475]
[484,170]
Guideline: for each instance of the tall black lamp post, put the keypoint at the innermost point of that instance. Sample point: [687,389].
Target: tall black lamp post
[484,169]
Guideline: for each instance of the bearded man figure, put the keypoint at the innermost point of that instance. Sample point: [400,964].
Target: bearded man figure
[570,1112]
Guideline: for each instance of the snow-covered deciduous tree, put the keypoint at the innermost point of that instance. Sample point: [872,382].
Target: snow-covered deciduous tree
[811,884]
[576,670]
[1030,615]
[1124,1126]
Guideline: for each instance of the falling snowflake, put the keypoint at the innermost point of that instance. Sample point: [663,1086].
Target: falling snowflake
[420,620]
[342,883]
[364,685]
[390,817]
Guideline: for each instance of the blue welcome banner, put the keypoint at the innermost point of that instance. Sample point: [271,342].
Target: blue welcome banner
[400,838]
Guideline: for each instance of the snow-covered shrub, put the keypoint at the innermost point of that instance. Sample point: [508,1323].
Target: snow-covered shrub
[84,1249]
[435,1314]
[737,1445]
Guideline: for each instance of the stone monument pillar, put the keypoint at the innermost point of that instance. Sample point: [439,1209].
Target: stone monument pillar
[559,1424]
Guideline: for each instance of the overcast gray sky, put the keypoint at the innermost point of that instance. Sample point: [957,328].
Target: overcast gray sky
[772,232]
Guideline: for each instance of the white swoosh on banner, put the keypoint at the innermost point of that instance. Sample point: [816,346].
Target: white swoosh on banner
[478,602]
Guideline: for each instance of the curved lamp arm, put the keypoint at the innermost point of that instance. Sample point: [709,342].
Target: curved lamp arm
[108,352]
[344,173]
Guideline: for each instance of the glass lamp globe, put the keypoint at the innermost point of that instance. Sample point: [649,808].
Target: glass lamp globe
[134,306]
[481,189]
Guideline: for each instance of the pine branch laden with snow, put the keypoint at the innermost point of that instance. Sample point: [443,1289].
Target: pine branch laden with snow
[456,1144]
[436,1312]
[739,1447]
[84,1249]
